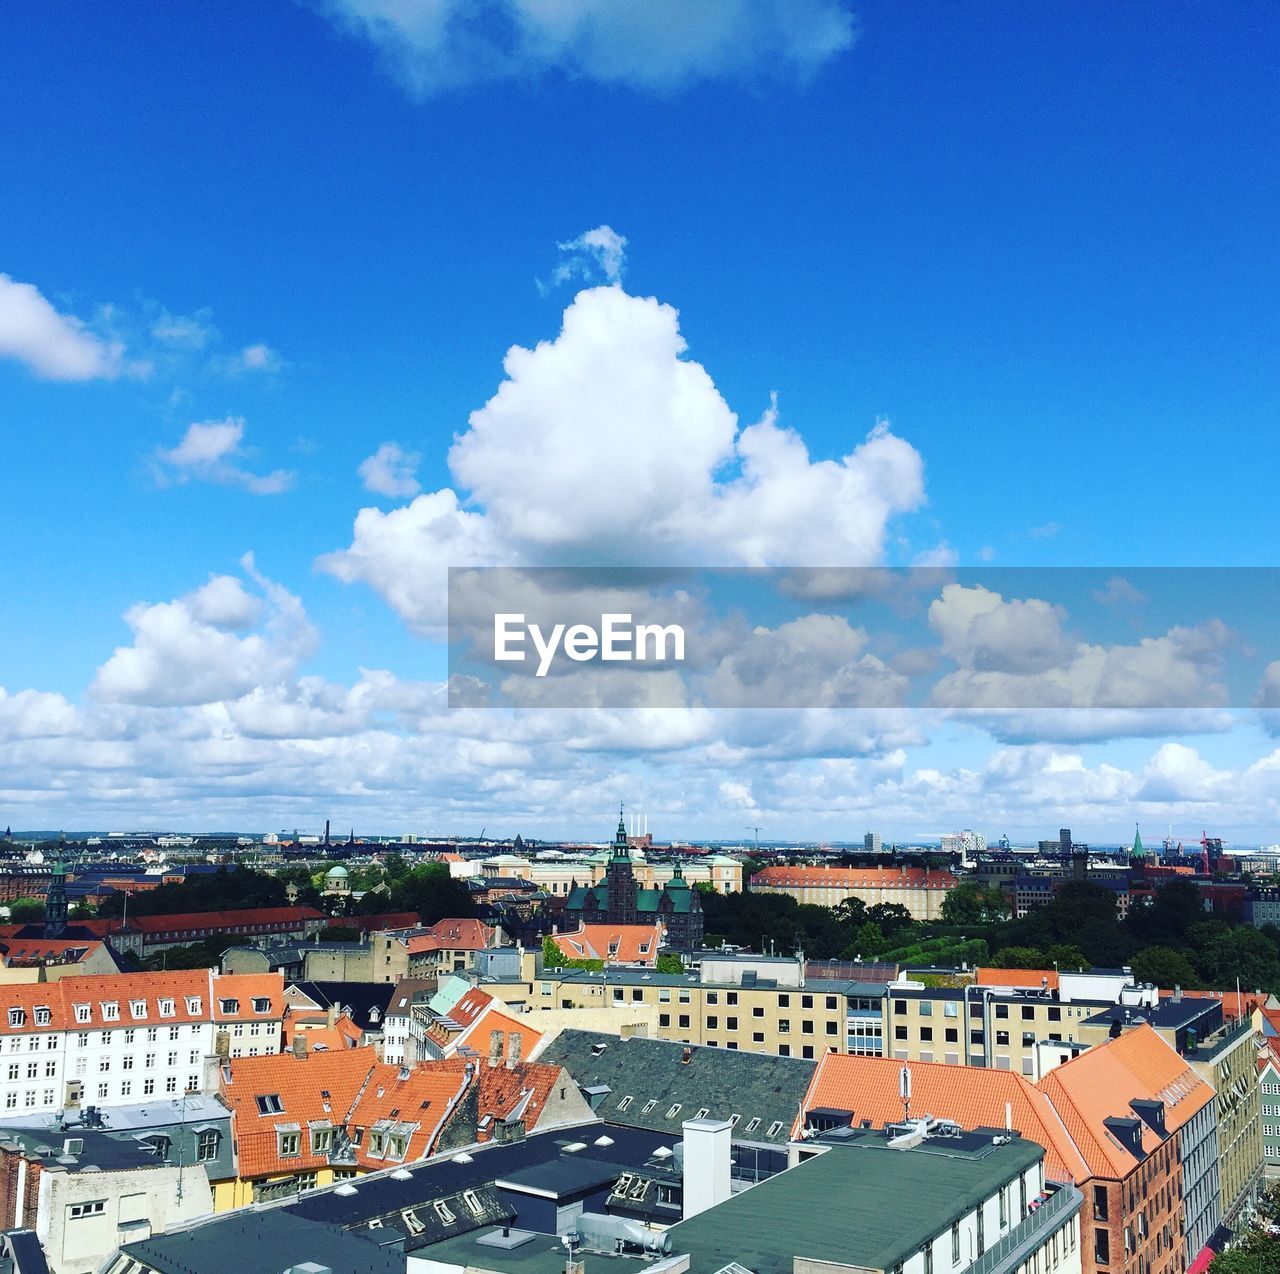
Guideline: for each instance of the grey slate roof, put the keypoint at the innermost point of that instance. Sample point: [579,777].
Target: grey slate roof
[658,1074]
[264,1243]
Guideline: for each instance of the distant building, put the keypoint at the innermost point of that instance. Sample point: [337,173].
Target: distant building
[921,892]
[871,843]
[966,843]
[619,900]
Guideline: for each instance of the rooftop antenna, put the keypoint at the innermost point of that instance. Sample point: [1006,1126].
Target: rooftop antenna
[904,1091]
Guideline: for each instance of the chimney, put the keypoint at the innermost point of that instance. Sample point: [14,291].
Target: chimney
[707,1154]
[331,1015]
[299,1043]
[515,1043]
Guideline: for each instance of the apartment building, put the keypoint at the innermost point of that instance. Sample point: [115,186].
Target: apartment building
[1129,1123]
[1269,1094]
[129,1036]
[921,892]
[787,1014]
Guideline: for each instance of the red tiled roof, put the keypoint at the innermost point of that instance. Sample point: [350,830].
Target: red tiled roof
[1017,977]
[1102,1081]
[57,950]
[615,944]
[853,878]
[246,919]
[974,1097]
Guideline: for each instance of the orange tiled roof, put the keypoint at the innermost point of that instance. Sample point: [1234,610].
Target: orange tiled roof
[971,1096]
[1017,977]
[509,1092]
[615,944]
[344,1033]
[111,1000]
[452,935]
[1101,1082]
[29,950]
[478,1035]
[853,878]
[320,1087]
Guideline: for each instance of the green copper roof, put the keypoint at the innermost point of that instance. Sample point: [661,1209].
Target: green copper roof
[1138,851]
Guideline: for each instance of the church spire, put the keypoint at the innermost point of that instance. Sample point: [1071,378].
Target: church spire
[621,847]
[1138,851]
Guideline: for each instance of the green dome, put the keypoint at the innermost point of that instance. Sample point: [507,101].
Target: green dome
[336,873]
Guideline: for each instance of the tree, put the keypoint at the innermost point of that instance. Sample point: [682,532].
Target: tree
[1018,958]
[432,893]
[25,911]
[892,917]
[868,941]
[1163,967]
[1064,955]
[669,963]
[971,904]
[1241,953]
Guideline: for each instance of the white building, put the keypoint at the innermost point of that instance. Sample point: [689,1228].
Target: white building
[124,1037]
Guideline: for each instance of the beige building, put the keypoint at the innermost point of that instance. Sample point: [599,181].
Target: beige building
[557,876]
[921,892]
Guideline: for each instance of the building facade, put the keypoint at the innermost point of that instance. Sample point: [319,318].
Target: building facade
[921,892]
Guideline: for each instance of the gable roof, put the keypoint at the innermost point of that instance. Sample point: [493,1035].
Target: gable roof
[1034,978]
[646,1078]
[973,1097]
[1102,1082]
[614,944]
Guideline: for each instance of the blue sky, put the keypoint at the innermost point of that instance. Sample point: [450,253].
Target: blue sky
[1038,240]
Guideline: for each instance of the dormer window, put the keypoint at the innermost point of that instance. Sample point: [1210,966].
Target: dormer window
[229,1007]
[43,1016]
[17,1017]
[138,1008]
[110,1011]
[261,1004]
[194,1005]
[82,1012]
[167,1008]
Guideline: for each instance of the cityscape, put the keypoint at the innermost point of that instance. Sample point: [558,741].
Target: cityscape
[640,637]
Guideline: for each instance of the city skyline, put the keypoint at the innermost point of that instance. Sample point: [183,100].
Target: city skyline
[297,313]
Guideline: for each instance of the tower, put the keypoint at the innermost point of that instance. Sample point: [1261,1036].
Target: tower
[55,907]
[620,878]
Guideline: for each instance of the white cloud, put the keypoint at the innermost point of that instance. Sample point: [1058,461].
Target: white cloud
[259,358]
[598,252]
[208,452]
[390,471]
[980,630]
[186,331]
[53,345]
[655,45]
[607,445]
[188,651]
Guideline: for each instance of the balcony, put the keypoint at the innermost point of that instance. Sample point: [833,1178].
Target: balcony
[1030,1234]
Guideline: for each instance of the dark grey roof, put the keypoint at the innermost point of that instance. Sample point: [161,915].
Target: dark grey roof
[264,1243]
[21,1253]
[360,999]
[658,1075]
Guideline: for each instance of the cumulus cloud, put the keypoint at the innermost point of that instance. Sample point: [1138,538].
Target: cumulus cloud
[656,45]
[51,344]
[210,451]
[390,471]
[607,445]
[191,651]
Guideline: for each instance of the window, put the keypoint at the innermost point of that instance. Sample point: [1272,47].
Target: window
[1101,1247]
[111,1012]
[1002,1039]
[950,1009]
[151,1035]
[784,1001]
[806,1001]
[289,1144]
[413,1222]
[784,1026]
[174,1032]
[664,1019]
[731,1024]
[1028,1012]
[624,1103]
[443,1212]
[713,1023]
[82,1012]
[757,1037]
[831,1002]
[981,1234]
[685,997]
[77,1210]
[138,1008]
[955,1244]
[649,1105]
[674,1111]
[775,1128]
[753,1123]
[1028,1038]
[731,997]
[193,1005]
[1003,1197]
[43,1016]
[926,1034]
[926,1008]
[684,1021]
[900,1008]
[166,1008]
[664,995]
[206,1145]
[1055,1013]
[82,1039]
[899,1032]
[171,1084]
[1099,1203]
[757,1011]
[270,1104]
[833,1028]
[229,1007]
[148,1087]
[321,1141]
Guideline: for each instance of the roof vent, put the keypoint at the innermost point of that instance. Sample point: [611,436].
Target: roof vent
[402,1174]
[346,1189]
